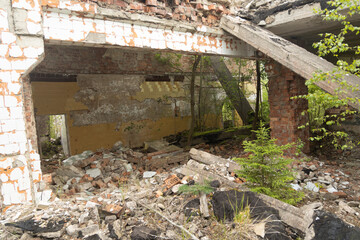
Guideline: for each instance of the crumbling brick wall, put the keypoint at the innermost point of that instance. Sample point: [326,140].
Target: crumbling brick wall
[200,12]
[287,114]
[21,48]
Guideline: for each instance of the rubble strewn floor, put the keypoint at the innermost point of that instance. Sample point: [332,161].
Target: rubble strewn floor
[125,194]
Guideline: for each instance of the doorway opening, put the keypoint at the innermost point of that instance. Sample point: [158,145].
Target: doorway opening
[53,140]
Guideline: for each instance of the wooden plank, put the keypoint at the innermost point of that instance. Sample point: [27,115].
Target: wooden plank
[288,54]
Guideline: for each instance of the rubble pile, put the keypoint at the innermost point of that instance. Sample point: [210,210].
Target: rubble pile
[327,180]
[88,172]
[117,195]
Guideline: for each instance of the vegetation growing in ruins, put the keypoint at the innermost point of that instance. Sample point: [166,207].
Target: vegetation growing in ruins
[196,189]
[266,168]
[334,45]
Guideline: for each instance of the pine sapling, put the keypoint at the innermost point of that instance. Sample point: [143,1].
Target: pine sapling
[266,169]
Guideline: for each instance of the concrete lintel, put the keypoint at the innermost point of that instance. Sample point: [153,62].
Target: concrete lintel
[62,27]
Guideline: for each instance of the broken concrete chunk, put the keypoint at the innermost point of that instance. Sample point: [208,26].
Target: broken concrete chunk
[312,187]
[331,189]
[296,187]
[117,146]
[93,172]
[143,233]
[115,229]
[344,207]
[89,230]
[69,171]
[149,174]
[128,167]
[71,160]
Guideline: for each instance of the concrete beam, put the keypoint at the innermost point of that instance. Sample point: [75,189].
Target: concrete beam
[288,54]
[72,28]
[303,22]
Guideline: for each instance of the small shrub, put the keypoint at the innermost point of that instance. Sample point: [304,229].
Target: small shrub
[266,169]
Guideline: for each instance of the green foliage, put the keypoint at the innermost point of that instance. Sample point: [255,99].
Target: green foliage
[334,44]
[196,189]
[266,169]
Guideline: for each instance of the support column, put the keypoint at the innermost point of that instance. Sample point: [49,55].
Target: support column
[21,49]
[286,114]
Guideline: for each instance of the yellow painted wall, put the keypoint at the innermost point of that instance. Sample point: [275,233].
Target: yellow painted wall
[57,98]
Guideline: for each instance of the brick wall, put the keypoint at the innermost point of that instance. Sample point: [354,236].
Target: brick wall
[21,47]
[203,12]
[285,113]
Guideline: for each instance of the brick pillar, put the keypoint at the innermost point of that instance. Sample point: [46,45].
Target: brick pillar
[285,113]
[21,49]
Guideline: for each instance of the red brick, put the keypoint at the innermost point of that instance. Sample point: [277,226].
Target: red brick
[151,2]
[212,7]
[120,3]
[340,194]
[199,6]
[136,6]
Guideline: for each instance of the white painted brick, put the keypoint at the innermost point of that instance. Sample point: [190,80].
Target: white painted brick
[6,162]
[9,149]
[78,25]
[4,113]
[20,124]
[31,52]
[15,51]
[35,16]
[23,159]
[11,101]
[7,189]
[4,139]
[36,166]
[5,76]
[25,4]
[33,28]
[36,175]
[16,113]
[16,174]
[76,36]
[14,88]
[22,147]
[35,156]
[22,64]
[8,125]
[17,137]
[8,37]
[16,197]
[15,76]
[4,24]
[5,64]
[3,50]
[100,25]
[24,183]
[4,178]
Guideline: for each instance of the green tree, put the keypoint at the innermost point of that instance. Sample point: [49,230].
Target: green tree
[336,46]
[266,169]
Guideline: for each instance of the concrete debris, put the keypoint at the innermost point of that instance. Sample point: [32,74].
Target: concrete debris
[100,199]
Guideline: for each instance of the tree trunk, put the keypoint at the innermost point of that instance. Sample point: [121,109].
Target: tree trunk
[258,92]
[192,98]
[232,89]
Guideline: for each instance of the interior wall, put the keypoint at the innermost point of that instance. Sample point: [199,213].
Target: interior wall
[102,109]
[107,95]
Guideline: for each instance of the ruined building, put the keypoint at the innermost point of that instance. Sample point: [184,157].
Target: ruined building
[95,62]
